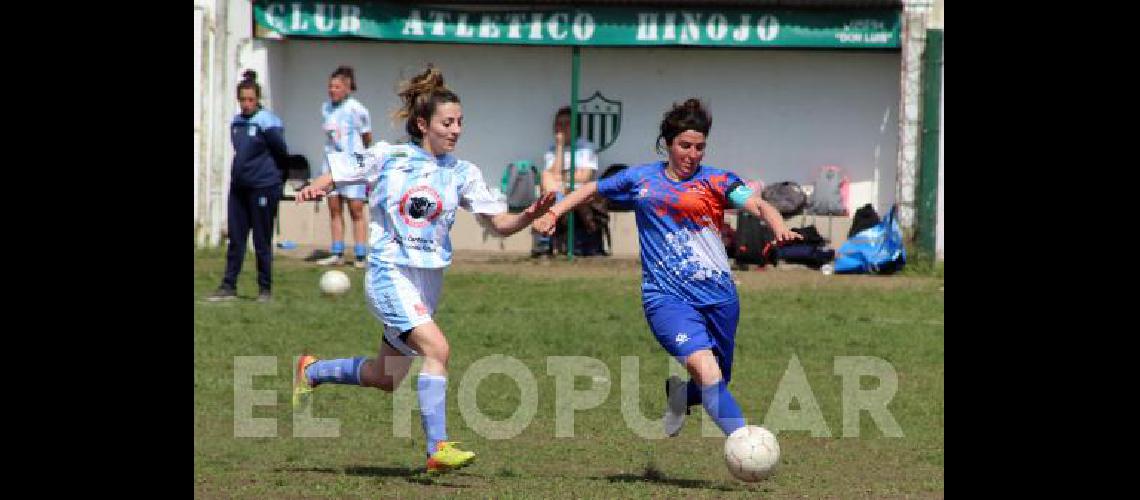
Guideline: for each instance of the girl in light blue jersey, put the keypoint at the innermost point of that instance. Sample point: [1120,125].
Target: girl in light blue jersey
[348,128]
[415,190]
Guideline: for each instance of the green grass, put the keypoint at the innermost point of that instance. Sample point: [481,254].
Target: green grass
[533,315]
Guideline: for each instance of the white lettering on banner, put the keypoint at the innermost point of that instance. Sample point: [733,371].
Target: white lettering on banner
[413,25]
[767,27]
[647,26]
[849,37]
[878,37]
[583,26]
[349,18]
[536,26]
[741,32]
[461,27]
[691,32]
[488,27]
[320,17]
[299,23]
[670,27]
[272,19]
[555,28]
[514,26]
[717,27]
[439,28]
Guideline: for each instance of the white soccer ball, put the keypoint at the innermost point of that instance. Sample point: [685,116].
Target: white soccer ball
[751,453]
[335,282]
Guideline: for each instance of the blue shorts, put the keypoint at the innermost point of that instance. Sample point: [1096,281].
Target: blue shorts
[683,329]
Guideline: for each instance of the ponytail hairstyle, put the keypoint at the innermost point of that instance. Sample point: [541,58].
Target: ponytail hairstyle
[421,94]
[689,115]
[249,81]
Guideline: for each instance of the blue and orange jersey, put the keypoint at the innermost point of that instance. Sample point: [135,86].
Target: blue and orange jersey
[679,228]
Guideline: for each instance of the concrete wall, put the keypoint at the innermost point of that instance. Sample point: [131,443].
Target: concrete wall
[778,115]
[308,225]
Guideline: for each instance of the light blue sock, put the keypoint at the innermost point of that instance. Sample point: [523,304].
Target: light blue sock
[360,249]
[722,407]
[432,391]
[338,247]
[335,371]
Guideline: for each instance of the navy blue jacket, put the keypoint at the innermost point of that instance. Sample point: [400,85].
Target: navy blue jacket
[259,150]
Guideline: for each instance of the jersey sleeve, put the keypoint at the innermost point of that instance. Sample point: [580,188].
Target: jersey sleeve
[620,186]
[363,120]
[358,168]
[735,191]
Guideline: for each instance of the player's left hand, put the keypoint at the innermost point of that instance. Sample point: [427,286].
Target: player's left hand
[788,235]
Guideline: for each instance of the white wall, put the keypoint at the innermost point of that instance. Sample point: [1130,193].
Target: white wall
[199,16]
[778,114]
[507,107]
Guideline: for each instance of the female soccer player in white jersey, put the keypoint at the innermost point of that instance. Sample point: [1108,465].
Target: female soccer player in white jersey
[348,128]
[687,292]
[415,191]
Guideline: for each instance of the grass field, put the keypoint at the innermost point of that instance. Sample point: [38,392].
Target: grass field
[531,310]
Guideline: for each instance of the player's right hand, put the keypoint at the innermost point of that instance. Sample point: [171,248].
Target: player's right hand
[309,193]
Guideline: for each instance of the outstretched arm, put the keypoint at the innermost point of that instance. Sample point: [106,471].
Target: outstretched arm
[506,224]
[545,223]
[316,189]
[764,210]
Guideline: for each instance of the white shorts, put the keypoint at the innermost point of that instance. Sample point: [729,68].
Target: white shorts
[351,191]
[402,298]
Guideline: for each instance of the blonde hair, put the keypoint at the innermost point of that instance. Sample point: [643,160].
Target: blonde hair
[421,94]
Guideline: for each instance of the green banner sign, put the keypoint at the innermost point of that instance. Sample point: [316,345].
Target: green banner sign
[593,26]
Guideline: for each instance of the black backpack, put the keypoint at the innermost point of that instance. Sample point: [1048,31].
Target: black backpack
[520,185]
[808,251]
[753,242]
[788,198]
[864,218]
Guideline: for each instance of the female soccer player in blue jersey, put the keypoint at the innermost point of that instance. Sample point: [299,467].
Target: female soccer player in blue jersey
[416,189]
[348,128]
[255,188]
[687,291]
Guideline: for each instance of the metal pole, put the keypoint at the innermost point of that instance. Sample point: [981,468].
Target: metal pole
[575,61]
[927,191]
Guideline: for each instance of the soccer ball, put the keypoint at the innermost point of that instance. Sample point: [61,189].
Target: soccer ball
[335,282]
[751,453]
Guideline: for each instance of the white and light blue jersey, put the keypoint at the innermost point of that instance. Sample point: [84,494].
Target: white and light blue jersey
[585,156]
[344,124]
[413,199]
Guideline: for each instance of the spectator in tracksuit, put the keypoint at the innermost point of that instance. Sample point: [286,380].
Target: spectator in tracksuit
[255,187]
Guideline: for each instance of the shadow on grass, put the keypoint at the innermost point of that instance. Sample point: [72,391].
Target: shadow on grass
[652,475]
[418,475]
